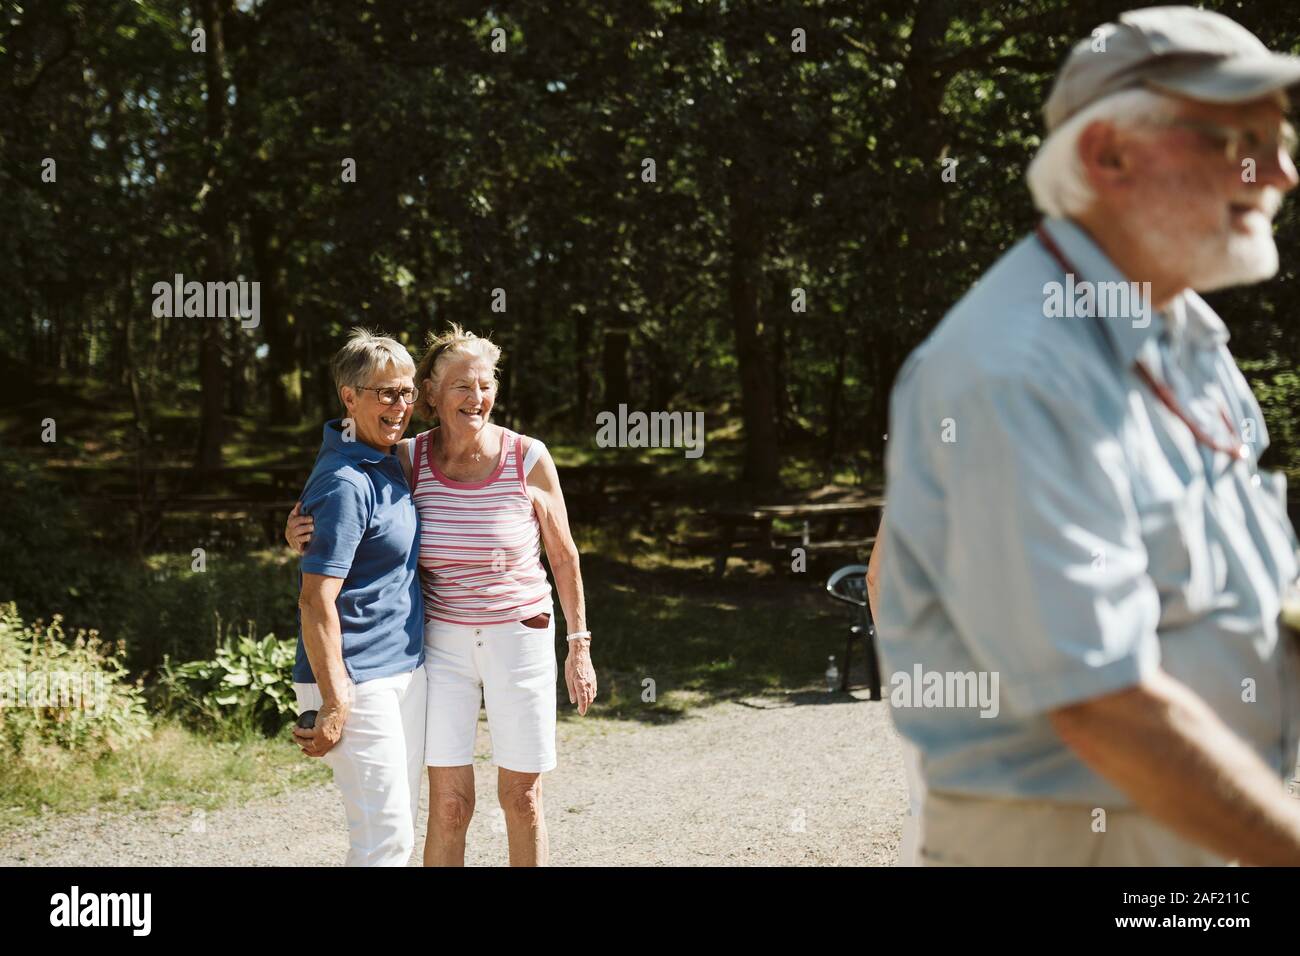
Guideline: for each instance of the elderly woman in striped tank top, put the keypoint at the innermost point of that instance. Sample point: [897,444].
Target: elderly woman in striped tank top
[488,499]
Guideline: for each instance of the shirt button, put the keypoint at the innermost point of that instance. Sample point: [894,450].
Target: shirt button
[478,643]
[1256,480]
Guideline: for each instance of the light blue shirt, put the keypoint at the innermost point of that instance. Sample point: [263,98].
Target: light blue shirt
[1052,522]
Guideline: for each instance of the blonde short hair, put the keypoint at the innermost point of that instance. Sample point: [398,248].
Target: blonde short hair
[439,350]
[365,354]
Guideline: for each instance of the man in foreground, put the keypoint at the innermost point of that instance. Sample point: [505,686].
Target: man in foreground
[1075,504]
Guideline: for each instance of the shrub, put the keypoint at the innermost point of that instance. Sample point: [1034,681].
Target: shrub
[72,695]
[178,613]
[54,559]
[247,687]
[156,605]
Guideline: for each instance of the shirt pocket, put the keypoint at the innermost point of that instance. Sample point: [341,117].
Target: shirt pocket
[1179,561]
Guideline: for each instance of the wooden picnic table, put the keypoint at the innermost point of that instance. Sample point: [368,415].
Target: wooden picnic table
[177,468]
[829,508]
[749,531]
[599,479]
[268,491]
[157,490]
[161,485]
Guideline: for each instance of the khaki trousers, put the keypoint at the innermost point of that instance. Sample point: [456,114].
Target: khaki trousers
[976,831]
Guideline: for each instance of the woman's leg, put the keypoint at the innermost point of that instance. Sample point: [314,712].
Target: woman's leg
[451,805]
[519,676]
[520,795]
[455,696]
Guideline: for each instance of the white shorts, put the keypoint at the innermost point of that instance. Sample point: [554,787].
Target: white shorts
[509,667]
[378,764]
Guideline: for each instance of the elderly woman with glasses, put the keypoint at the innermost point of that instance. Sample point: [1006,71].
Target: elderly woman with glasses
[360,655]
[488,500]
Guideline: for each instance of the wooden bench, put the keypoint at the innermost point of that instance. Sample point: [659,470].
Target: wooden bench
[750,532]
[266,492]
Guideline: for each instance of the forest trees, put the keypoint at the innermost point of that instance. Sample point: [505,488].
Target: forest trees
[795,146]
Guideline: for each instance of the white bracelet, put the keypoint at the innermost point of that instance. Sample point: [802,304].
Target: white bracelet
[578,634]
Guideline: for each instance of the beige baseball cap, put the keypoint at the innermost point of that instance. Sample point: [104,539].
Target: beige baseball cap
[1180,50]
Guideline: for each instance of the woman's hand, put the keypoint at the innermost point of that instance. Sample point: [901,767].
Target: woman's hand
[319,740]
[562,553]
[298,529]
[580,674]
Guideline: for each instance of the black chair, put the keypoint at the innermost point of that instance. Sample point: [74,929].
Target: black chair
[849,584]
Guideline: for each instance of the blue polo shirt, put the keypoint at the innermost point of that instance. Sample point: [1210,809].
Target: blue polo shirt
[366,532]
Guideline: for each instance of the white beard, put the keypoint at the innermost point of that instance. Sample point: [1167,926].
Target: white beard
[1246,259]
[1217,262]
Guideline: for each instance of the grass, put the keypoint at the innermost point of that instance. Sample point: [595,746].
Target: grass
[176,767]
[657,617]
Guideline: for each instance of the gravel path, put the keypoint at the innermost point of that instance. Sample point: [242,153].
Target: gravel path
[795,779]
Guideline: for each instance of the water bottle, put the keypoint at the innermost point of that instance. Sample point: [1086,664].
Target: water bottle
[832,676]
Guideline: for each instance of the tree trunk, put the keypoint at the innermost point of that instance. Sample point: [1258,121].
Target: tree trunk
[582,368]
[148,515]
[618,389]
[212,377]
[778,332]
[834,412]
[758,402]
[883,365]
[283,356]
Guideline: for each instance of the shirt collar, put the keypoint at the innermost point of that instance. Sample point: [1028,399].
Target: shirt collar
[1203,325]
[358,451]
[1187,318]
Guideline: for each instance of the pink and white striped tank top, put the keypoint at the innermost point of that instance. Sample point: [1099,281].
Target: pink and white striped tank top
[480,543]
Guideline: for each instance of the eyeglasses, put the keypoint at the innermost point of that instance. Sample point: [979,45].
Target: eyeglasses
[1239,143]
[388,395]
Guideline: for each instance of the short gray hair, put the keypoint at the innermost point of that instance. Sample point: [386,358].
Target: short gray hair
[366,353]
[1056,175]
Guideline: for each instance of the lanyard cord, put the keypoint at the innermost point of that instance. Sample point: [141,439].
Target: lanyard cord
[1236,449]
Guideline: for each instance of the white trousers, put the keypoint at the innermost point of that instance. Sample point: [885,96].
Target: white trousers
[378,764]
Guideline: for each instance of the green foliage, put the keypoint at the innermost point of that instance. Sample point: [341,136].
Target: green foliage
[181,613]
[64,693]
[1276,384]
[247,687]
[776,169]
[155,607]
[52,562]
